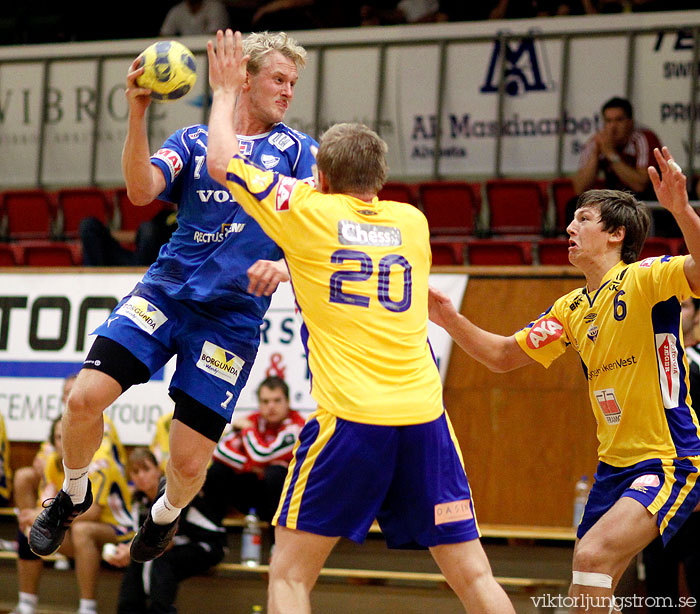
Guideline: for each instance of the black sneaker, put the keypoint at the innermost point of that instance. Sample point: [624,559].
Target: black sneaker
[50,527]
[152,539]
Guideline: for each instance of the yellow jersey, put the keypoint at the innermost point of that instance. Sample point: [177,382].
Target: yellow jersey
[360,278]
[628,336]
[160,446]
[110,488]
[5,467]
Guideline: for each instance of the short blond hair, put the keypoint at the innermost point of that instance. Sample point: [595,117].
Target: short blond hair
[259,44]
[353,158]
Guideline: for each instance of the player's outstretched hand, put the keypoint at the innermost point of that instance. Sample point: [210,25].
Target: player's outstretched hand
[227,64]
[440,308]
[670,186]
[265,275]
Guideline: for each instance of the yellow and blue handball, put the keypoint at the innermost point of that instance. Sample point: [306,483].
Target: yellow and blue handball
[170,70]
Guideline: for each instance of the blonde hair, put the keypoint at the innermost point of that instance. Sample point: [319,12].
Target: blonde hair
[353,158]
[259,44]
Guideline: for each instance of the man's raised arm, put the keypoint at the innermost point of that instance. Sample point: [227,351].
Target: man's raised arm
[227,73]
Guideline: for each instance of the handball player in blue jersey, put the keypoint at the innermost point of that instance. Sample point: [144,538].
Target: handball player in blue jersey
[203,300]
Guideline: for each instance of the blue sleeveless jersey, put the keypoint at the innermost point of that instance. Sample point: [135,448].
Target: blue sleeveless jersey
[216,241]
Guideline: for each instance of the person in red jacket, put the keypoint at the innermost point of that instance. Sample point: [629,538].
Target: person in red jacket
[250,462]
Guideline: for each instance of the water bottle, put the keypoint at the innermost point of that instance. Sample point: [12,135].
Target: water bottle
[251,540]
[580,497]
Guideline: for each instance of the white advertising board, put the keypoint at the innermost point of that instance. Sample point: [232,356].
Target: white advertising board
[45,326]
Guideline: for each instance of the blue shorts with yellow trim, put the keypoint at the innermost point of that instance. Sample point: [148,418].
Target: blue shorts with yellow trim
[667,487]
[410,478]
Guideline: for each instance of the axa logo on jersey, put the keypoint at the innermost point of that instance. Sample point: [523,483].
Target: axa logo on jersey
[543,332]
[172,160]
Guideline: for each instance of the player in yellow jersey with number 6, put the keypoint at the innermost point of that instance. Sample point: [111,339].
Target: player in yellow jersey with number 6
[625,324]
[380,444]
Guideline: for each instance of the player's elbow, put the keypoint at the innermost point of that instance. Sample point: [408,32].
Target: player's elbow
[217,170]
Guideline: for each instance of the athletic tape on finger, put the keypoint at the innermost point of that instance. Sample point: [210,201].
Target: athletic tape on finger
[675,166]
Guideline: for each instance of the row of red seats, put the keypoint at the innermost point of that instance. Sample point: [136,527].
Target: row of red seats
[40,253]
[515,206]
[42,214]
[479,252]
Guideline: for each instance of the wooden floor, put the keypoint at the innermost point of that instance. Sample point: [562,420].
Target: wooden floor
[411,587]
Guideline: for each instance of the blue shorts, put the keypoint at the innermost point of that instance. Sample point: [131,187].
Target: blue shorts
[666,487]
[213,360]
[410,478]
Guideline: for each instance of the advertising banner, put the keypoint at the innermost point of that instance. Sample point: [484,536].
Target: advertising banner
[45,326]
[388,78]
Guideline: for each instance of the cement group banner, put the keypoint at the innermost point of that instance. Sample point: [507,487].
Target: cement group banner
[45,326]
[388,78]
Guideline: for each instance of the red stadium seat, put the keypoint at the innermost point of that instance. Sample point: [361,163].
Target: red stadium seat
[516,206]
[553,251]
[499,252]
[562,192]
[49,254]
[27,214]
[447,253]
[76,204]
[452,207]
[130,216]
[660,246]
[8,255]
[398,191]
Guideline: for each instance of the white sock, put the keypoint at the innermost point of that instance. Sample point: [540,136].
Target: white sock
[27,603]
[164,512]
[87,606]
[75,483]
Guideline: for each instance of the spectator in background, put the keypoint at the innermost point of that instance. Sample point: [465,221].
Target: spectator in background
[160,446]
[250,462]
[103,247]
[406,11]
[621,153]
[106,521]
[199,544]
[195,17]
[5,467]
[662,564]
[306,14]
[27,480]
